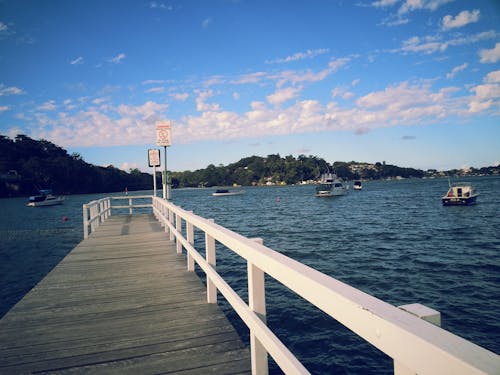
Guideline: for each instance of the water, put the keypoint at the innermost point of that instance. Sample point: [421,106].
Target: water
[393,240]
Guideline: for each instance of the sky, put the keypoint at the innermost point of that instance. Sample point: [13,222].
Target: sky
[415,83]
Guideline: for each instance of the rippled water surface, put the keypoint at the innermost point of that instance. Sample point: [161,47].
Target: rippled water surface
[393,240]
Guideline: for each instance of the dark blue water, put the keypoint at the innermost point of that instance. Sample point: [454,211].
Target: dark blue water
[393,240]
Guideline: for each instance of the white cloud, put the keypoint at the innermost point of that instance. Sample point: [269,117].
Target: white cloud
[283,95]
[493,77]
[156,90]
[341,92]
[148,111]
[158,5]
[295,77]
[4,108]
[120,125]
[182,97]
[487,91]
[215,80]
[77,61]
[431,44]
[463,18]
[250,78]
[456,70]
[384,3]
[401,97]
[236,95]
[486,95]
[3,27]
[412,5]
[201,104]
[155,82]
[400,104]
[426,45]
[490,55]
[309,54]
[7,91]
[99,101]
[117,59]
[49,105]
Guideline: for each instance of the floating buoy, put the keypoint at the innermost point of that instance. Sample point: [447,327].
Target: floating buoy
[65,218]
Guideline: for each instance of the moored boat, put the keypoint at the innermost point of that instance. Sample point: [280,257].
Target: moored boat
[44,198]
[331,186]
[226,192]
[357,185]
[460,194]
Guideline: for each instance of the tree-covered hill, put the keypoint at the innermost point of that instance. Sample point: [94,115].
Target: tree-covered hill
[274,169]
[27,165]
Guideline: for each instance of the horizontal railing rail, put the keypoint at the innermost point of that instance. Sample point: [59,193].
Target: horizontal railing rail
[416,346]
[96,212]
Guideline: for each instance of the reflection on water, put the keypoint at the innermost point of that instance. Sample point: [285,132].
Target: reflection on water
[393,240]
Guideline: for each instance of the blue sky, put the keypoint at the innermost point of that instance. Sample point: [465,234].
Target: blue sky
[414,83]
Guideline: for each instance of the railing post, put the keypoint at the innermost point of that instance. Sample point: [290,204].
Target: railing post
[101,211]
[190,238]
[211,259]
[92,216]
[425,313]
[166,215]
[178,227]
[108,208]
[85,222]
[257,302]
[171,221]
[130,210]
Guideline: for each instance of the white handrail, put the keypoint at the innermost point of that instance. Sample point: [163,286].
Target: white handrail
[412,342]
[96,212]
[415,345]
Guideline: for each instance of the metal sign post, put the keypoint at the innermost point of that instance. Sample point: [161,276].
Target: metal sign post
[154,161]
[164,138]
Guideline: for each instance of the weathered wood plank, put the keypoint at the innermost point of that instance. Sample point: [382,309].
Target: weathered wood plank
[121,302]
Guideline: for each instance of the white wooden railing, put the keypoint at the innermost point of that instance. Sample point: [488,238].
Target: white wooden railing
[415,345]
[96,212]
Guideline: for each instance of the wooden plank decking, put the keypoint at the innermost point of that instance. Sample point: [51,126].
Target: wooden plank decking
[121,302]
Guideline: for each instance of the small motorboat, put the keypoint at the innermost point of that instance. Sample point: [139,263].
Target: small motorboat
[44,198]
[357,185]
[226,192]
[331,186]
[460,194]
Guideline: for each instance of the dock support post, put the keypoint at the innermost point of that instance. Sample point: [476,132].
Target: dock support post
[211,259]
[190,238]
[257,302]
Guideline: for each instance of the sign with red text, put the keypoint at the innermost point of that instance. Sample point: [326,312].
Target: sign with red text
[163,133]
[154,157]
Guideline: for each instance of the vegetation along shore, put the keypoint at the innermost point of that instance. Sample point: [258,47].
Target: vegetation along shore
[27,165]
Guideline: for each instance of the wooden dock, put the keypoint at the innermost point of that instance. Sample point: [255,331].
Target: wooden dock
[122,302]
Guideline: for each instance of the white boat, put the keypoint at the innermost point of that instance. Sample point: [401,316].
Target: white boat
[226,192]
[44,198]
[357,185]
[460,194]
[331,186]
